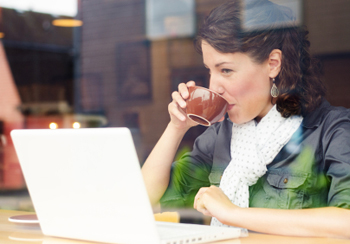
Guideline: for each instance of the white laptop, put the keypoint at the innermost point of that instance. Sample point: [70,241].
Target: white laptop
[87,184]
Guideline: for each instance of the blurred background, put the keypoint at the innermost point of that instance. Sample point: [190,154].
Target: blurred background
[112,63]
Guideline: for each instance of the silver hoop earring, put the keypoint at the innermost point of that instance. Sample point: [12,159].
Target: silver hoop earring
[274,89]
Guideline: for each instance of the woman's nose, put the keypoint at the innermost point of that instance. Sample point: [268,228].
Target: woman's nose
[214,85]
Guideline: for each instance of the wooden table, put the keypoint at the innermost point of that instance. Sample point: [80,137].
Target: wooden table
[11,233]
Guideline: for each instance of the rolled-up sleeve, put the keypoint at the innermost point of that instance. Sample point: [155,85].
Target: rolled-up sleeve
[191,172]
[337,159]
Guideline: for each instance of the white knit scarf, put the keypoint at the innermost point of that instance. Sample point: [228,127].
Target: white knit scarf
[253,146]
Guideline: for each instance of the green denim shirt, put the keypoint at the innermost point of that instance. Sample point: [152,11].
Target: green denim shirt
[312,169]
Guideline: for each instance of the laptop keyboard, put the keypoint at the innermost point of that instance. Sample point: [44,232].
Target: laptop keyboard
[175,233]
[171,231]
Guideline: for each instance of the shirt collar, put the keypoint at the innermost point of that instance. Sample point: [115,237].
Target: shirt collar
[314,118]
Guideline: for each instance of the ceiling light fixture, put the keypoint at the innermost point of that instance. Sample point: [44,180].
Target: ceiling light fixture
[67,22]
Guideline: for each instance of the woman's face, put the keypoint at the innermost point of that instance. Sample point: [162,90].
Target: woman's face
[242,82]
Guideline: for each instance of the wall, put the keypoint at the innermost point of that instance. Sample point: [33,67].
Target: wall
[115,23]
[328,23]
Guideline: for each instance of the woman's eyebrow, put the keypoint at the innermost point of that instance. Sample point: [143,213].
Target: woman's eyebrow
[218,64]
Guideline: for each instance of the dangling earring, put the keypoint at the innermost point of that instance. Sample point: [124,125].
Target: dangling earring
[274,89]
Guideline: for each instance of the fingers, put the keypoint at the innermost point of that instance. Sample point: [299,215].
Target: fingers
[190,83]
[183,91]
[175,111]
[178,105]
[198,196]
[177,108]
[204,211]
[182,94]
[183,88]
[208,199]
[199,202]
[179,99]
[200,206]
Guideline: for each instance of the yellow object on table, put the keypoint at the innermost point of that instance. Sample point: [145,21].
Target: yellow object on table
[173,217]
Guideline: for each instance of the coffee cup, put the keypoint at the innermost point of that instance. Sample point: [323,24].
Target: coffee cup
[205,106]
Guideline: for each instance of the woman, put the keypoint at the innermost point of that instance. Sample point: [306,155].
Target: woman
[280,161]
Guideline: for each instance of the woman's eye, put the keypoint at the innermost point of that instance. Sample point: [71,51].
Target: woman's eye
[226,71]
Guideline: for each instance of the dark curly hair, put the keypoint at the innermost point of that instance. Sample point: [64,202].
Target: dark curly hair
[261,27]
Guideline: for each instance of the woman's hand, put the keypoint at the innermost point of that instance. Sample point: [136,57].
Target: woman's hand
[212,201]
[177,107]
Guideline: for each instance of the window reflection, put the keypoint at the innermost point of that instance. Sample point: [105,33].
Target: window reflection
[114,71]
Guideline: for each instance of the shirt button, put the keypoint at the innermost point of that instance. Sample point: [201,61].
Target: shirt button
[285,181]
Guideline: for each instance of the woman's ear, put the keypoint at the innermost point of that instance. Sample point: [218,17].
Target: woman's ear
[275,61]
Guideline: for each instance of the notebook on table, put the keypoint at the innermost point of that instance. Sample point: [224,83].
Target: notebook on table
[87,184]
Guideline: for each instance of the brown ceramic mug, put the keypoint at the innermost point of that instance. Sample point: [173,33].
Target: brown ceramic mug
[205,106]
